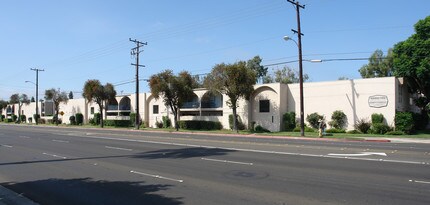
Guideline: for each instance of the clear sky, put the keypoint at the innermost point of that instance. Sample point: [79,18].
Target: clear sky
[74,41]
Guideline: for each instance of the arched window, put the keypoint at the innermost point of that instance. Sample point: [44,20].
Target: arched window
[212,100]
[193,103]
[125,104]
[112,104]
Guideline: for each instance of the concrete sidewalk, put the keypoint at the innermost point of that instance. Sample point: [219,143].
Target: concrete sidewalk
[8,197]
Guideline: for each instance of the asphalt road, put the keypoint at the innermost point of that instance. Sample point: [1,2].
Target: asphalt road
[88,166]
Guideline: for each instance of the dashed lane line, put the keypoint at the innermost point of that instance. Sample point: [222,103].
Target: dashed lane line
[156,176]
[227,161]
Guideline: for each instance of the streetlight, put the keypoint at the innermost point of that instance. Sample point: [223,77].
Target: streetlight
[302,115]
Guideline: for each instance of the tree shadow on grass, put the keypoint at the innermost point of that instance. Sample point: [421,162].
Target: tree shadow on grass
[183,153]
[84,191]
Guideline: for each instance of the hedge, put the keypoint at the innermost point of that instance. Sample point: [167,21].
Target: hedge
[404,122]
[199,125]
[289,119]
[117,123]
[79,118]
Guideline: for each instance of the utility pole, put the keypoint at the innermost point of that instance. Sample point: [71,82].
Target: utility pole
[37,93]
[135,52]
[299,37]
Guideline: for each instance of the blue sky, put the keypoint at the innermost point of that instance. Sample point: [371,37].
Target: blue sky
[74,41]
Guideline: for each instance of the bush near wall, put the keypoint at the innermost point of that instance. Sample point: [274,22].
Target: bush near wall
[14,117]
[380,128]
[2,118]
[79,118]
[117,123]
[307,129]
[377,118]
[240,125]
[199,125]
[338,120]
[167,123]
[313,119]
[133,118]
[404,122]
[363,125]
[289,120]
[72,120]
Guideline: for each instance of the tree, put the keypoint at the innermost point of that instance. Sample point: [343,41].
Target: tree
[57,97]
[32,99]
[234,80]
[285,75]
[412,62]
[20,100]
[379,65]
[3,105]
[255,65]
[175,90]
[70,95]
[94,91]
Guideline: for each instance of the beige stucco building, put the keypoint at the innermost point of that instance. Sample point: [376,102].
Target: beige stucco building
[358,99]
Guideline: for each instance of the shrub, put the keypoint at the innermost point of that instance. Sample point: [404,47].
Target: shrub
[56,120]
[240,125]
[30,120]
[79,118]
[42,121]
[1,118]
[133,118]
[289,120]
[261,129]
[338,119]
[313,119]
[8,120]
[335,130]
[166,122]
[36,117]
[395,133]
[354,132]
[22,118]
[420,120]
[159,124]
[199,125]
[362,125]
[14,117]
[380,128]
[72,120]
[117,123]
[307,129]
[377,118]
[96,119]
[404,122]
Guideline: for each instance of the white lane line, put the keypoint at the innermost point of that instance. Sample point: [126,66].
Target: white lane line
[4,145]
[61,141]
[227,161]
[54,155]
[360,154]
[25,137]
[156,176]
[118,148]
[421,182]
[258,151]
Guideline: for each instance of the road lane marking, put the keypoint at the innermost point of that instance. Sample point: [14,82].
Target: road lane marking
[227,161]
[118,148]
[359,154]
[4,145]
[54,155]
[61,141]
[157,176]
[421,182]
[25,137]
[256,151]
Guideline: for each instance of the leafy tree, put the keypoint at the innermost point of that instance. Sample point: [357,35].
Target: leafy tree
[32,99]
[255,65]
[412,61]
[234,80]
[285,75]
[70,95]
[20,100]
[57,97]
[343,78]
[3,105]
[175,90]
[94,91]
[378,66]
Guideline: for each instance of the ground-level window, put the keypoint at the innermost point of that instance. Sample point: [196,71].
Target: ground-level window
[264,105]
[92,110]
[155,109]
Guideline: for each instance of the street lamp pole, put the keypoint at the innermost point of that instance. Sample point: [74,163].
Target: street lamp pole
[37,93]
[299,37]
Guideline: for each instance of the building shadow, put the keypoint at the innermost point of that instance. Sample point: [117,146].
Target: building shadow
[183,153]
[85,191]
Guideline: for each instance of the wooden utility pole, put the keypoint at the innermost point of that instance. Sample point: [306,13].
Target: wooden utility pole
[37,93]
[135,52]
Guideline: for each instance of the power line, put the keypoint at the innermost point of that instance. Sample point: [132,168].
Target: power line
[136,52]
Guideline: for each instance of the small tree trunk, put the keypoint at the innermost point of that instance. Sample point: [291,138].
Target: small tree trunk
[101,115]
[235,119]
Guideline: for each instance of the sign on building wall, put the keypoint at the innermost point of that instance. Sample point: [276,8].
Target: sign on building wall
[378,101]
